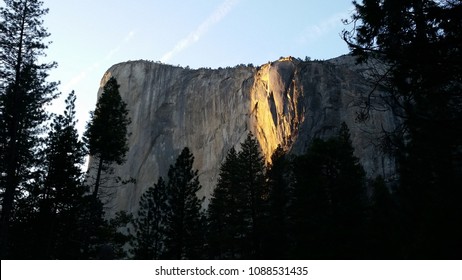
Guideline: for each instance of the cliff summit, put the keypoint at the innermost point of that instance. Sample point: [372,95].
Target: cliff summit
[287,102]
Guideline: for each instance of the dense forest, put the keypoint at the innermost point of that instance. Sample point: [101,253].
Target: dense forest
[317,205]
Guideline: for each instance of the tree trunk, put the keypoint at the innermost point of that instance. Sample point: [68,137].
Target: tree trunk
[12,149]
[98,178]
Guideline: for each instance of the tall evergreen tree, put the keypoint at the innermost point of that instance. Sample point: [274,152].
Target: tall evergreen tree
[253,188]
[106,138]
[114,237]
[57,219]
[64,157]
[420,43]
[237,208]
[225,218]
[106,135]
[149,225]
[385,225]
[184,219]
[24,92]
[276,220]
[46,226]
[328,203]
[62,190]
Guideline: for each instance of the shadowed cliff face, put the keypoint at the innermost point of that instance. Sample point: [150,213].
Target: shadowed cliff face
[286,102]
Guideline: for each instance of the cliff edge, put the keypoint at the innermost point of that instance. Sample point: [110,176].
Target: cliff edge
[287,102]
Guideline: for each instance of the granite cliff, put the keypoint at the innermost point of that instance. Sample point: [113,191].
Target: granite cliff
[287,102]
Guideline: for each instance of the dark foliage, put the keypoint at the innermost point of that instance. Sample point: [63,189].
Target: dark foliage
[311,206]
[421,45]
[56,218]
[236,211]
[106,134]
[276,219]
[224,216]
[149,225]
[184,225]
[61,191]
[329,201]
[24,93]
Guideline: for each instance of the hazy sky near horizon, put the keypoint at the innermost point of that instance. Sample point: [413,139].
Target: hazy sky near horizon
[89,36]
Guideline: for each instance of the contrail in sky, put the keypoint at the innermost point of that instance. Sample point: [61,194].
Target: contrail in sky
[314,32]
[83,74]
[195,35]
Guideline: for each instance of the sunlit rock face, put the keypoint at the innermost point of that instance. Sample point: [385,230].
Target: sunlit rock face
[287,102]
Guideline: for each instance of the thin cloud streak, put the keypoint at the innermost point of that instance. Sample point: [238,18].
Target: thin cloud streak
[67,87]
[217,15]
[316,31]
[79,77]
[129,36]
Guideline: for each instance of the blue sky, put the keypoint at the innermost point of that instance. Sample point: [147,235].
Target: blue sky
[89,36]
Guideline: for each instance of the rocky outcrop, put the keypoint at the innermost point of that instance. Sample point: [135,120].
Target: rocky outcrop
[287,102]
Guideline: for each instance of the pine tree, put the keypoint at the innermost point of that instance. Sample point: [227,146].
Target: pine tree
[149,225]
[254,193]
[328,202]
[385,226]
[276,220]
[90,229]
[106,133]
[224,216]
[420,44]
[64,159]
[46,226]
[62,189]
[114,237]
[237,208]
[184,220]
[24,92]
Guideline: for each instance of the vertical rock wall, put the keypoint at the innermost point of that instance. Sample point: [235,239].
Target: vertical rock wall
[287,102]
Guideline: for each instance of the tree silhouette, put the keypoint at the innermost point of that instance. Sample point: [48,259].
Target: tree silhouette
[184,218]
[328,202]
[237,210]
[253,187]
[149,224]
[23,94]
[62,189]
[385,225]
[225,215]
[419,42]
[106,133]
[276,220]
